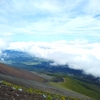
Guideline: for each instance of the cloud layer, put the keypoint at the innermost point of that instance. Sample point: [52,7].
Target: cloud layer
[78,54]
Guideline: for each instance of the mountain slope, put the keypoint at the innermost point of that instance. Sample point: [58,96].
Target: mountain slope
[10,71]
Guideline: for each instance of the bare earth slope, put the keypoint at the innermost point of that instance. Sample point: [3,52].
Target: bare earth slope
[28,79]
[24,74]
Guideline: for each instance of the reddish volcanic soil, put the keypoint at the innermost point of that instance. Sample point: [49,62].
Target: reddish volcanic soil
[24,74]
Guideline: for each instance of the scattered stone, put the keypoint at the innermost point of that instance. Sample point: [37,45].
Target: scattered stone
[13,88]
[1,81]
[44,96]
[20,89]
[10,93]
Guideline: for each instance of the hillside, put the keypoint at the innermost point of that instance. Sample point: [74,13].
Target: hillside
[24,74]
[74,84]
[11,91]
[10,74]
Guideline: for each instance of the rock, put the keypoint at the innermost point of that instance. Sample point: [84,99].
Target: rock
[44,96]
[20,89]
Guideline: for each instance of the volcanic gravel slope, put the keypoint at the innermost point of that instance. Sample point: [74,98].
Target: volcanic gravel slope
[24,74]
[28,79]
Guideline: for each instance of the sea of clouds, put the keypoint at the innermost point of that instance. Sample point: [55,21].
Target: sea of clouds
[77,54]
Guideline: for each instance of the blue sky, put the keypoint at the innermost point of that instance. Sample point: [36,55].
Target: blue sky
[47,20]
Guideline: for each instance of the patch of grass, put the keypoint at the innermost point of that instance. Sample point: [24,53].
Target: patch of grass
[30,63]
[71,83]
[57,85]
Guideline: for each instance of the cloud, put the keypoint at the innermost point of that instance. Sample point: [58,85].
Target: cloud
[3,45]
[93,7]
[78,54]
[6,34]
[47,17]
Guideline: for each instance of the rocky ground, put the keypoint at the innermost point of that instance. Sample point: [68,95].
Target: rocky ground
[36,85]
[9,93]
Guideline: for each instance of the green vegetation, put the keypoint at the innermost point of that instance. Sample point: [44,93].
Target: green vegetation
[16,87]
[57,79]
[31,63]
[7,62]
[82,87]
[48,96]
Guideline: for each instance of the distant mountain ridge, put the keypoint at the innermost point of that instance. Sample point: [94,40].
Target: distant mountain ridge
[13,53]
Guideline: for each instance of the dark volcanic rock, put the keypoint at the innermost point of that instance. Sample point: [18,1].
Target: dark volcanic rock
[9,93]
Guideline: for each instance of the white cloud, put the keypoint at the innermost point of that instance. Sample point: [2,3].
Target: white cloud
[3,45]
[50,17]
[7,34]
[93,7]
[78,54]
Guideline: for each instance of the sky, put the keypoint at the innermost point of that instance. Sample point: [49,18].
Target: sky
[66,31]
